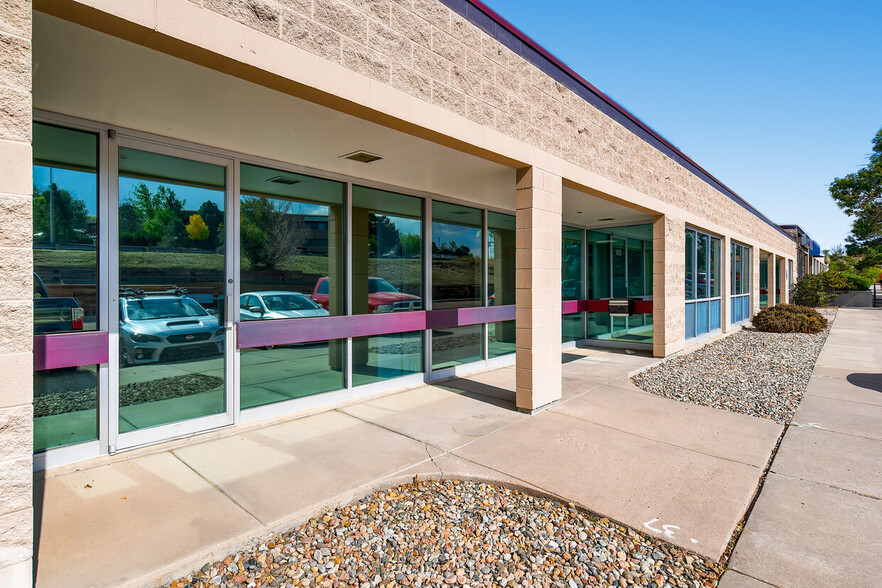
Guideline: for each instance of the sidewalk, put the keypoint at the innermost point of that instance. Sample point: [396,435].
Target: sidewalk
[636,458]
[818,519]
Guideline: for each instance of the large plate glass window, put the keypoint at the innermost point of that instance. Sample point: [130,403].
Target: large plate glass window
[740,283]
[571,281]
[387,278]
[702,283]
[457,281]
[172,270]
[501,250]
[65,279]
[291,252]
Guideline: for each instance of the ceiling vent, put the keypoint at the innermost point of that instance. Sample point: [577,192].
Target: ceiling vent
[287,180]
[362,156]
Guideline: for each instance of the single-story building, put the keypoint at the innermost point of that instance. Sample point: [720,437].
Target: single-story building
[236,210]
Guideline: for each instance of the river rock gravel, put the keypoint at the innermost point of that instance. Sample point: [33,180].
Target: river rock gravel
[454,533]
[748,372]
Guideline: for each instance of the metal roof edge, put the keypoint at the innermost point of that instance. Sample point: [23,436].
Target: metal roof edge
[506,33]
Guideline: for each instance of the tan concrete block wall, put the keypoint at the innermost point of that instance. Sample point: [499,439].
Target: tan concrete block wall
[425,49]
[668,285]
[16,267]
[537,288]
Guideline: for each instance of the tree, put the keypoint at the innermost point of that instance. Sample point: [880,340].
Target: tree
[197,229]
[69,221]
[859,194]
[269,232]
[383,236]
[214,219]
[152,218]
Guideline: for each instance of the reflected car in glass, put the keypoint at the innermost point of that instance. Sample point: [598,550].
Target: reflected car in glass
[54,314]
[165,326]
[382,296]
[277,304]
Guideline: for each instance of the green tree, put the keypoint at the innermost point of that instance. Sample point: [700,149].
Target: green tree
[214,219]
[859,194]
[70,218]
[269,232]
[160,214]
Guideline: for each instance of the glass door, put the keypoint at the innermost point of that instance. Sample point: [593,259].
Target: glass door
[173,279]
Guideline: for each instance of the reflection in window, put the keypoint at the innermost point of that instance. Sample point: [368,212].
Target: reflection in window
[171,298]
[65,239]
[501,250]
[456,280]
[291,251]
[571,281]
[387,277]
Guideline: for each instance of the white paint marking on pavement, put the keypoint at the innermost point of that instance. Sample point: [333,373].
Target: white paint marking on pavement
[694,540]
[669,529]
[648,524]
[807,425]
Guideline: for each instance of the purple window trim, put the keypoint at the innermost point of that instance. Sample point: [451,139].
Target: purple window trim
[574,306]
[305,330]
[70,350]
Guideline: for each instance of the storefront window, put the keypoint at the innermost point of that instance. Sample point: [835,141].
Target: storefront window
[456,280]
[387,276]
[291,266]
[571,281]
[65,229]
[703,303]
[740,280]
[501,250]
[620,266]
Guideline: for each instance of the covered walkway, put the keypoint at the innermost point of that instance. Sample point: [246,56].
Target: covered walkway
[607,446]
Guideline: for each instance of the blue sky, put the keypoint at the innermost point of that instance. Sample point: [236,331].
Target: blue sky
[775,99]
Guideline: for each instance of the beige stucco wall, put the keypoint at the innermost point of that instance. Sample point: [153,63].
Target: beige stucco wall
[16,364]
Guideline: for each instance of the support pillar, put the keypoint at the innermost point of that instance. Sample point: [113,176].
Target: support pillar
[754,281]
[771,283]
[726,285]
[537,293]
[668,285]
[16,299]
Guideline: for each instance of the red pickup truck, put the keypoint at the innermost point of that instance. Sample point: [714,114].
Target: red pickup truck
[382,296]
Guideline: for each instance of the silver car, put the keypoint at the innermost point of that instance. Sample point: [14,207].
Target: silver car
[277,304]
[166,327]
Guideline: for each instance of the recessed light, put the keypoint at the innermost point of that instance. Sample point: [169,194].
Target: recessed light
[362,156]
[607,218]
[287,180]
[578,212]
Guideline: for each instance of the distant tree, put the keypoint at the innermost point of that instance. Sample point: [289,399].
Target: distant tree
[70,218]
[270,233]
[214,219]
[383,236]
[859,194]
[197,229]
[411,245]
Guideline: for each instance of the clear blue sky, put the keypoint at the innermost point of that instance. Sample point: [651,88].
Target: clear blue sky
[775,99]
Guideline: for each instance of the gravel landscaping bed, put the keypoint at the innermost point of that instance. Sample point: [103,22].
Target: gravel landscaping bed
[451,533]
[749,372]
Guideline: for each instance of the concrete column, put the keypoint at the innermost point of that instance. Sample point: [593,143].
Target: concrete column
[668,285]
[726,285]
[785,285]
[754,281]
[537,293]
[772,285]
[16,297]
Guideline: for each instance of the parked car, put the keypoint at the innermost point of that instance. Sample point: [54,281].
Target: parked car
[55,314]
[165,326]
[277,304]
[382,296]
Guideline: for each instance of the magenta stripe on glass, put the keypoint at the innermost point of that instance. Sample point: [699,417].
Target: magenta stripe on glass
[69,350]
[306,330]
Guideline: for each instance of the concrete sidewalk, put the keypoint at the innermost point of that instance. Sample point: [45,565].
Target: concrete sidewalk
[640,459]
[818,519]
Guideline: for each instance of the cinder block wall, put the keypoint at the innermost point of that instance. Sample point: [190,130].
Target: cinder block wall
[16,294]
[427,50]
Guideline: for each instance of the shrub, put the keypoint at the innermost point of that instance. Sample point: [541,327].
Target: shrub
[812,290]
[789,318]
[846,281]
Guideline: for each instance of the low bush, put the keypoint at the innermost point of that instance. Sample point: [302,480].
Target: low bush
[846,281]
[789,318]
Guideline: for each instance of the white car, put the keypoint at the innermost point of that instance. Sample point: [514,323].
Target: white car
[277,304]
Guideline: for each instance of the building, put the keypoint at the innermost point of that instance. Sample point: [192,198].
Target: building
[807,252]
[471,201]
